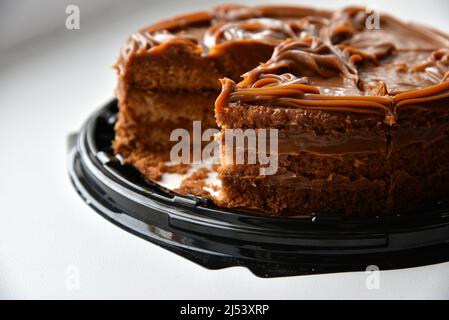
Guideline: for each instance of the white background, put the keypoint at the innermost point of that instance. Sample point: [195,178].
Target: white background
[51,79]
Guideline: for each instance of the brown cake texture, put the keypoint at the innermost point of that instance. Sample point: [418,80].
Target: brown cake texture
[361,113]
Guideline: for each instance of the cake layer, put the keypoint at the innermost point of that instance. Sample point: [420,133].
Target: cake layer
[179,65]
[147,118]
[289,194]
[316,143]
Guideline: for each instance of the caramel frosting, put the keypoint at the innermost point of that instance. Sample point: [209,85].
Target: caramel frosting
[336,63]
[211,32]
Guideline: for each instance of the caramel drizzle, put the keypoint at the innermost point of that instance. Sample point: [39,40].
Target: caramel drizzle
[271,31]
[436,66]
[307,57]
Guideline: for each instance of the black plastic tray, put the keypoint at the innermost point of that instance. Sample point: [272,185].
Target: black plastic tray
[217,238]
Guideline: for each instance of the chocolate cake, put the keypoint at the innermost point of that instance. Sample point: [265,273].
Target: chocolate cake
[361,113]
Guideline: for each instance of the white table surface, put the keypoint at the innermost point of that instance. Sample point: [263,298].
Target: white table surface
[48,235]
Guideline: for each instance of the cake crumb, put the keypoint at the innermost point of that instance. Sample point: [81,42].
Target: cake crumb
[195,184]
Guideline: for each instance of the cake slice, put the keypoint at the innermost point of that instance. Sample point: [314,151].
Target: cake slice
[361,115]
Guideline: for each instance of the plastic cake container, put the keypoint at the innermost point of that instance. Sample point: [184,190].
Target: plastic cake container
[217,238]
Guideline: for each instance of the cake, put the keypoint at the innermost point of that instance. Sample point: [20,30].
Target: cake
[361,114]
